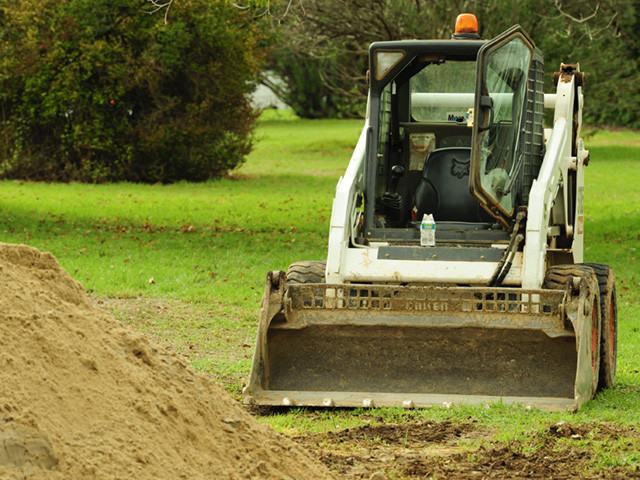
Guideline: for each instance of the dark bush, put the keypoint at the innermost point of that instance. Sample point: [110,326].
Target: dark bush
[101,90]
[313,86]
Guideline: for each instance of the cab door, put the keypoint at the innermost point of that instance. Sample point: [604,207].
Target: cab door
[501,92]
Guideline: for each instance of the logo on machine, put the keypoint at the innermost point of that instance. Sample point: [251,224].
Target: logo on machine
[459,168]
[425,306]
[457,117]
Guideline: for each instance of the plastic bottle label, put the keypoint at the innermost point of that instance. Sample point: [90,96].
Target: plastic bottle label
[428,231]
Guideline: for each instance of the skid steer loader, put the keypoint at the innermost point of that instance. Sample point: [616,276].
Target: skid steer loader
[501,307]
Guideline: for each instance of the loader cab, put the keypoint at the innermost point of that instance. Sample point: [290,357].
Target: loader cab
[456,132]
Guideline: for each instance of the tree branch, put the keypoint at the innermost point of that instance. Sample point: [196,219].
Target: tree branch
[157,6]
[582,19]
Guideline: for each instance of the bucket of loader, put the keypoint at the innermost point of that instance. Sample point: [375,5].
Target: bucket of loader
[413,346]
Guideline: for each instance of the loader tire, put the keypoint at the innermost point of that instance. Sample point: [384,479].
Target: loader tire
[560,277]
[306,272]
[609,324]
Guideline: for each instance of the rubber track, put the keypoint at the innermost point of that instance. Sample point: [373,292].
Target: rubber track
[306,272]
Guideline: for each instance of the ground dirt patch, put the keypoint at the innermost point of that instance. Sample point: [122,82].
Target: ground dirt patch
[84,397]
[450,450]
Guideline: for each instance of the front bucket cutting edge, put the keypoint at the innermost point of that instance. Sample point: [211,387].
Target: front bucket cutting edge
[414,346]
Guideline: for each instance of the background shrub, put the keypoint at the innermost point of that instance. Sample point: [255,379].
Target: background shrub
[100,90]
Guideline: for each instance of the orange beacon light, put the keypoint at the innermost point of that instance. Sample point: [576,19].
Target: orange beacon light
[466,23]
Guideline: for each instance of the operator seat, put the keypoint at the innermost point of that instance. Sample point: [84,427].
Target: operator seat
[444,187]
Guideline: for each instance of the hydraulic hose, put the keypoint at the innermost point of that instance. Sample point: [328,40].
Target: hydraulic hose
[505,263]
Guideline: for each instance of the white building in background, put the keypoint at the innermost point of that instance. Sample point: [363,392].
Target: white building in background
[263,97]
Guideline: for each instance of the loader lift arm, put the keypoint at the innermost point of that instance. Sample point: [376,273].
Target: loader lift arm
[559,187]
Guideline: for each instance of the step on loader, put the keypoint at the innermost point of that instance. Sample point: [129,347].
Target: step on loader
[501,307]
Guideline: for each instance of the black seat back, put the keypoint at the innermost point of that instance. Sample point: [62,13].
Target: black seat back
[444,187]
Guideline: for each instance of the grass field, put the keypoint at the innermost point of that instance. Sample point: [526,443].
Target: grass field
[186,263]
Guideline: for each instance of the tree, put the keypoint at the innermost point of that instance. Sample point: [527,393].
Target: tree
[100,90]
[322,55]
[605,39]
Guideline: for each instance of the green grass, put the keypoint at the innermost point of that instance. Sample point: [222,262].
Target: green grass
[612,235]
[194,258]
[197,241]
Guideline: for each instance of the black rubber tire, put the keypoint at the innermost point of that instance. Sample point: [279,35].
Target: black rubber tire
[306,272]
[609,324]
[559,277]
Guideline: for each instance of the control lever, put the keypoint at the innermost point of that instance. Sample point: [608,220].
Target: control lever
[397,171]
[392,200]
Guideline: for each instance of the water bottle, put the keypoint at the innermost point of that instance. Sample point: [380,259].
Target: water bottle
[428,231]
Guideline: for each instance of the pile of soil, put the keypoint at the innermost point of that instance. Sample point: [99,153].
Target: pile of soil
[81,396]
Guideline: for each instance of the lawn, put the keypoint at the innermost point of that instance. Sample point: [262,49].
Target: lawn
[186,264]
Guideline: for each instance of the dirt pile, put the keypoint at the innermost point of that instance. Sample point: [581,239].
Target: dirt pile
[83,397]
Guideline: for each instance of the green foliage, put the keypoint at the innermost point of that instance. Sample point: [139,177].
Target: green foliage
[603,38]
[614,61]
[100,90]
[312,88]
[323,52]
